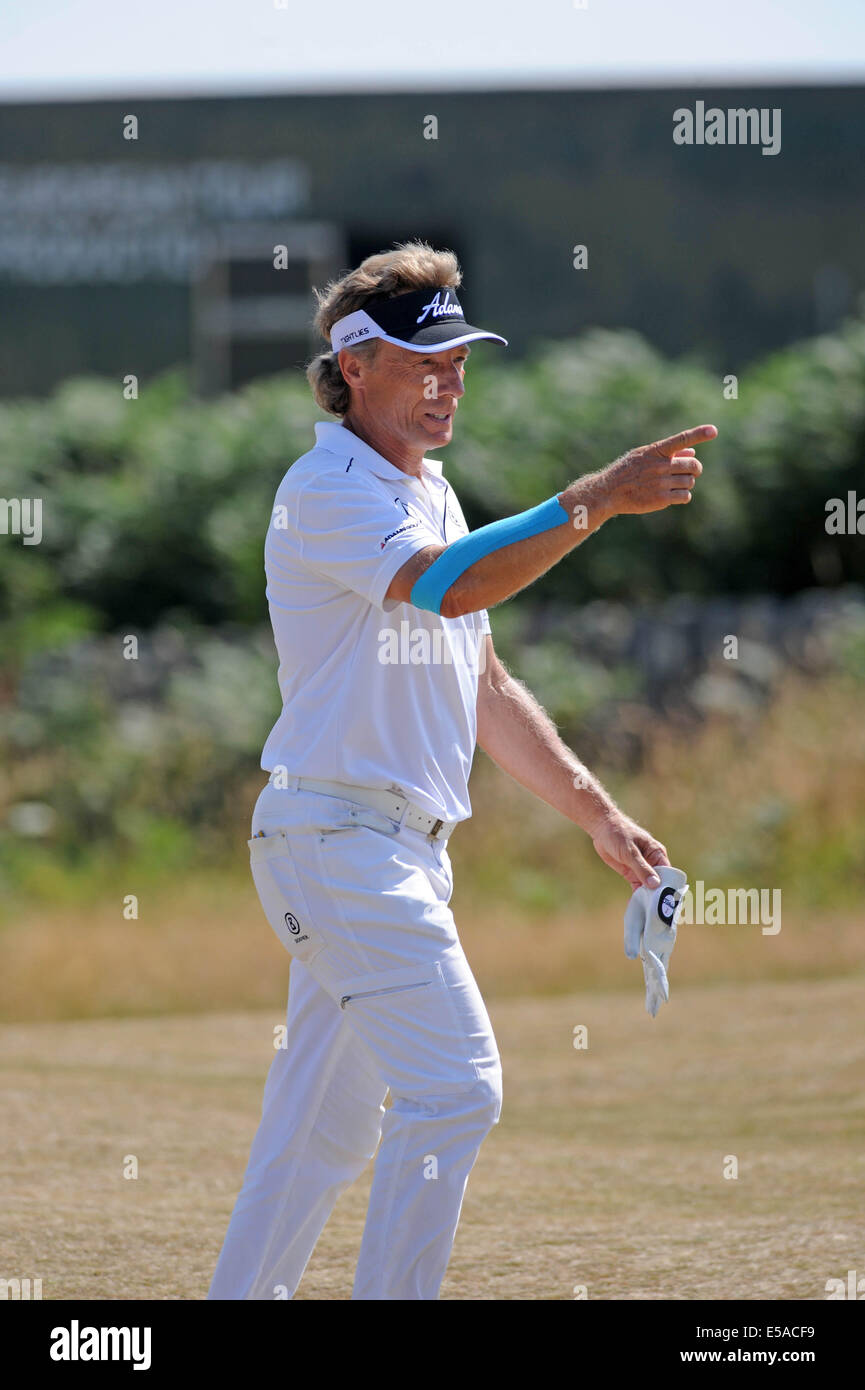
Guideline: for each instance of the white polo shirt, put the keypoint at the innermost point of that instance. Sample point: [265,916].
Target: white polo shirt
[374,692]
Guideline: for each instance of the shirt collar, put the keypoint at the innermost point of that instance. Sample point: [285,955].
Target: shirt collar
[337,439]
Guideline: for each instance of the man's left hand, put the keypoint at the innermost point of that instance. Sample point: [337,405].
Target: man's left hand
[629,849]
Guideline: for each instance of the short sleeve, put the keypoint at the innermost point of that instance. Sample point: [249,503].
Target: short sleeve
[353,534]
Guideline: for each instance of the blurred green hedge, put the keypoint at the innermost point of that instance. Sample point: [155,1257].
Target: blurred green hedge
[154,517]
[158,506]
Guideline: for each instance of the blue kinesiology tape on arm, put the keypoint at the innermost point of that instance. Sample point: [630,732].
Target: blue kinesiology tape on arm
[430,589]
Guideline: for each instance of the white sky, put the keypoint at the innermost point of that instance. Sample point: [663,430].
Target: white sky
[61,48]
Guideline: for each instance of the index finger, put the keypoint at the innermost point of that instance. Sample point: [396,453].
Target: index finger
[676,442]
[658,855]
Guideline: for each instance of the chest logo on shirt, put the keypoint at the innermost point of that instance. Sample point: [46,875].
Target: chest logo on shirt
[409,525]
[400,530]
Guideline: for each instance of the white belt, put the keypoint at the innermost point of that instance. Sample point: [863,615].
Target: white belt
[392,804]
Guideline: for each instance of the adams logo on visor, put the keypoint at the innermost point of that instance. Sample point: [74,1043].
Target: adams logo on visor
[420,320]
[439,305]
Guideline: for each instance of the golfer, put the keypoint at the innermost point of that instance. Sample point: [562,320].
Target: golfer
[378,597]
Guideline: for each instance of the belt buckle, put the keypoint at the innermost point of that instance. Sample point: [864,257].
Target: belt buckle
[437,825]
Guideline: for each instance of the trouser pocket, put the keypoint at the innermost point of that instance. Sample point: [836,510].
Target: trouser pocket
[351,816]
[282,898]
[377,993]
[408,1017]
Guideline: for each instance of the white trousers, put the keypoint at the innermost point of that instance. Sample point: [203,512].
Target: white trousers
[380,997]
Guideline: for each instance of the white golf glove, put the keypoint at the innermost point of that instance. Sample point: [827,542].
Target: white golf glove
[650,931]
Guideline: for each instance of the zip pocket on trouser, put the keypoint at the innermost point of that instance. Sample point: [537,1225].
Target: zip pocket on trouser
[423,1042]
[374,993]
[282,898]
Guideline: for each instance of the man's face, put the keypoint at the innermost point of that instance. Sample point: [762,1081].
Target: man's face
[414,395]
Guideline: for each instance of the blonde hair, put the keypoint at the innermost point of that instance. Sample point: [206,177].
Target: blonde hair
[413,265]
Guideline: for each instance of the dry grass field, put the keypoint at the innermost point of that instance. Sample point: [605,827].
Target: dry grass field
[778,805]
[151,1037]
[606,1170]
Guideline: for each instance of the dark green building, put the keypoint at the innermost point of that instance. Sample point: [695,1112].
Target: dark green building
[140,234]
